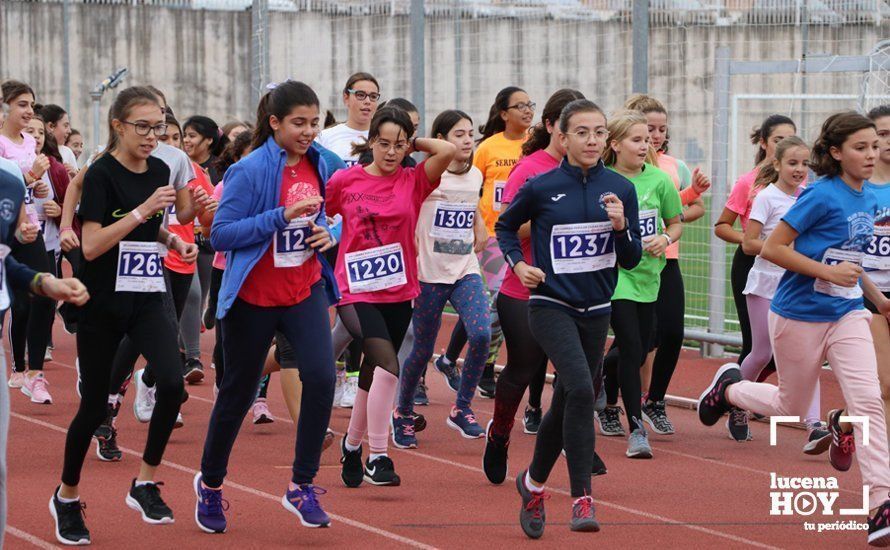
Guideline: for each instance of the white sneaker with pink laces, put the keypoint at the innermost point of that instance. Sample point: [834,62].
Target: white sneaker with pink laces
[16,379]
[35,388]
[261,412]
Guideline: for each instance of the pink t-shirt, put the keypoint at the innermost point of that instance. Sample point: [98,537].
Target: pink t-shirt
[377,258]
[22,154]
[536,163]
[741,199]
[219,260]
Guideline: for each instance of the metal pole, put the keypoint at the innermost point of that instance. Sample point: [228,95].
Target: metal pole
[259,46]
[805,47]
[640,24]
[418,62]
[97,117]
[458,56]
[719,172]
[66,58]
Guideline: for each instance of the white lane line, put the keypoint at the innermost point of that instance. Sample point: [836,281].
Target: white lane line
[28,537]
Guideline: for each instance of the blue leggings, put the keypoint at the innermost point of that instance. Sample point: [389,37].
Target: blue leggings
[470,299]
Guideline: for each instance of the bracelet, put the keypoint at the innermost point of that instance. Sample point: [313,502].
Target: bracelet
[37,284]
[170,239]
[33,177]
[136,214]
[64,229]
[669,239]
[414,143]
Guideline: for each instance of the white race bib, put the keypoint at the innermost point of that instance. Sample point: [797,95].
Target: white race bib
[648,223]
[289,248]
[375,269]
[877,254]
[139,268]
[582,247]
[498,196]
[834,256]
[453,220]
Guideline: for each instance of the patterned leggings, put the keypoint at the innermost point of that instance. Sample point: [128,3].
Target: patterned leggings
[469,298]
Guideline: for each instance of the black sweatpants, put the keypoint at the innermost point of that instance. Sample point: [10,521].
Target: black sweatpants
[670,310]
[32,316]
[632,325]
[575,346]
[103,323]
[247,334]
[216,276]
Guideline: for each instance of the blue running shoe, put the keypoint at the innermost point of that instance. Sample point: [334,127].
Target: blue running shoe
[403,435]
[464,421]
[210,508]
[421,399]
[450,372]
[303,502]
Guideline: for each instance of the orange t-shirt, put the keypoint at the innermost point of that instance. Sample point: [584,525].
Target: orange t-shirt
[495,158]
[186,232]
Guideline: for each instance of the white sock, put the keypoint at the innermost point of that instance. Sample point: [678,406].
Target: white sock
[375,456]
[66,500]
[114,398]
[350,447]
[530,486]
[141,483]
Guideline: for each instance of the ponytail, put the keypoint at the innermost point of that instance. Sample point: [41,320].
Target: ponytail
[495,124]
[279,102]
[761,135]
[540,137]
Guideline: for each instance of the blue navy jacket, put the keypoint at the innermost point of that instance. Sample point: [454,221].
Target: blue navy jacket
[12,194]
[249,215]
[565,195]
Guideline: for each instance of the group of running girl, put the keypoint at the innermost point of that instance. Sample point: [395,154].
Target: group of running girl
[540,236]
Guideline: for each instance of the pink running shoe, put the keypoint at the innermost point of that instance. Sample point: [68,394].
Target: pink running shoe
[261,413]
[35,388]
[16,379]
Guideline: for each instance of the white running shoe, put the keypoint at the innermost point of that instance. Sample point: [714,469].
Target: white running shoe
[144,404]
[350,390]
[339,386]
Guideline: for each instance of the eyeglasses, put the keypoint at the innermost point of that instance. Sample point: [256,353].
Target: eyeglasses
[385,146]
[144,128]
[584,134]
[361,95]
[530,106]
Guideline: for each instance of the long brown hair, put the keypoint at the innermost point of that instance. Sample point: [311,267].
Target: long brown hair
[123,104]
[540,137]
[835,131]
[768,173]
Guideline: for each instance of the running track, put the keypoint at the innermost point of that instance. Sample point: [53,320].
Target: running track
[701,490]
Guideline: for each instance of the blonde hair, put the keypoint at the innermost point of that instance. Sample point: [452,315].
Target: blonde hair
[619,127]
[768,173]
[644,104]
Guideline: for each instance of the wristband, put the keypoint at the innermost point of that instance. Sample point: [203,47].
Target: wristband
[136,214]
[33,177]
[64,229]
[37,284]
[170,239]
[414,143]
[669,239]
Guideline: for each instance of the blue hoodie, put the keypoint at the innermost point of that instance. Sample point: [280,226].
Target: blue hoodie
[249,215]
[565,195]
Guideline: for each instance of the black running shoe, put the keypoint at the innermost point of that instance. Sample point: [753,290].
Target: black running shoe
[610,421]
[486,388]
[494,461]
[419,422]
[532,420]
[712,404]
[352,472]
[737,424]
[381,471]
[421,399]
[654,414]
[209,318]
[879,526]
[146,499]
[194,371]
[68,516]
[599,467]
[107,449]
[107,425]
[818,439]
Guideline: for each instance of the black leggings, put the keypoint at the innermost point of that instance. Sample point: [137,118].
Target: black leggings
[380,328]
[575,346]
[738,275]
[632,325]
[669,322]
[525,359]
[104,321]
[32,316]
[218,362]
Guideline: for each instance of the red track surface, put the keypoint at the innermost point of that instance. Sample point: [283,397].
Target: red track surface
[701,490]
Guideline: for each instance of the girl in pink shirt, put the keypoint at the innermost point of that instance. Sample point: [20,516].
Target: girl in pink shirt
[377,275]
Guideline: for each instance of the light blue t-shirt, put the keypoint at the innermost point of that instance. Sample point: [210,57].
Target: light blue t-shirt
[834,223]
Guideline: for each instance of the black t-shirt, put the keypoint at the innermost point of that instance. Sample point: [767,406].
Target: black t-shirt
[110,192]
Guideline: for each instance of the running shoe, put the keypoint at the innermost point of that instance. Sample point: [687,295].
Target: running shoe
[737,425]
[599,467]
[532,516]
[610,421]
[194,371]
[144,402]
[419,422]
[179,422]
[531,421]
[818,440]
[403,435]
[349,392]
[494,460]
[107,449]
[17,380]
[449,371]
[584,515]
[654,414]
[464,421]
[421,399]
[68,517]
[328,440]
[303,502]
[638,444]
[340,383]
[381,471]
[486,387]
[261,412]
[210,508]
[352,472]
[48,354]
[146,499]
[35,388]
[209,318]
[879,526]
[69,314]
[712,404]
[107,425]
[843,445]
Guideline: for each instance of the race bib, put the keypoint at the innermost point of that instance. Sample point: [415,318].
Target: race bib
[582,247]
[375,269]
[453,220]
[834,256]
[171,216]
[498,195]
[877,254]
[648,223]
[289,248]
[139,268]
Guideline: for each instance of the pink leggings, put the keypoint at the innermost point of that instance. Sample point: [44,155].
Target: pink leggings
[800,348]
[762,350]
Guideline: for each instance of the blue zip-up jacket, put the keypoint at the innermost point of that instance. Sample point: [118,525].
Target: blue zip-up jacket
[566,196]
[249,215]
[12,194]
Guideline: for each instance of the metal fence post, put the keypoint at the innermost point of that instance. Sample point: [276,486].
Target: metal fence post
[66,57]
[259,47]
[418,62]
[640,24]
[719,191]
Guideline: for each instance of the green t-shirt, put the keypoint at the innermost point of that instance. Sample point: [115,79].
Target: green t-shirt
[659,200]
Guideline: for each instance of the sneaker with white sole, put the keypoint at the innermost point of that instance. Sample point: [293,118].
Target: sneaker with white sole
[68,517]
[16,380]
[144,402]
[818,439]
[146,499]
[464,421]
[261,412]
[609,420]
[638,444]
[35,388]
[349,392]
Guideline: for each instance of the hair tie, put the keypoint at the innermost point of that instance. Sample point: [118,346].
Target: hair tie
[271,86]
